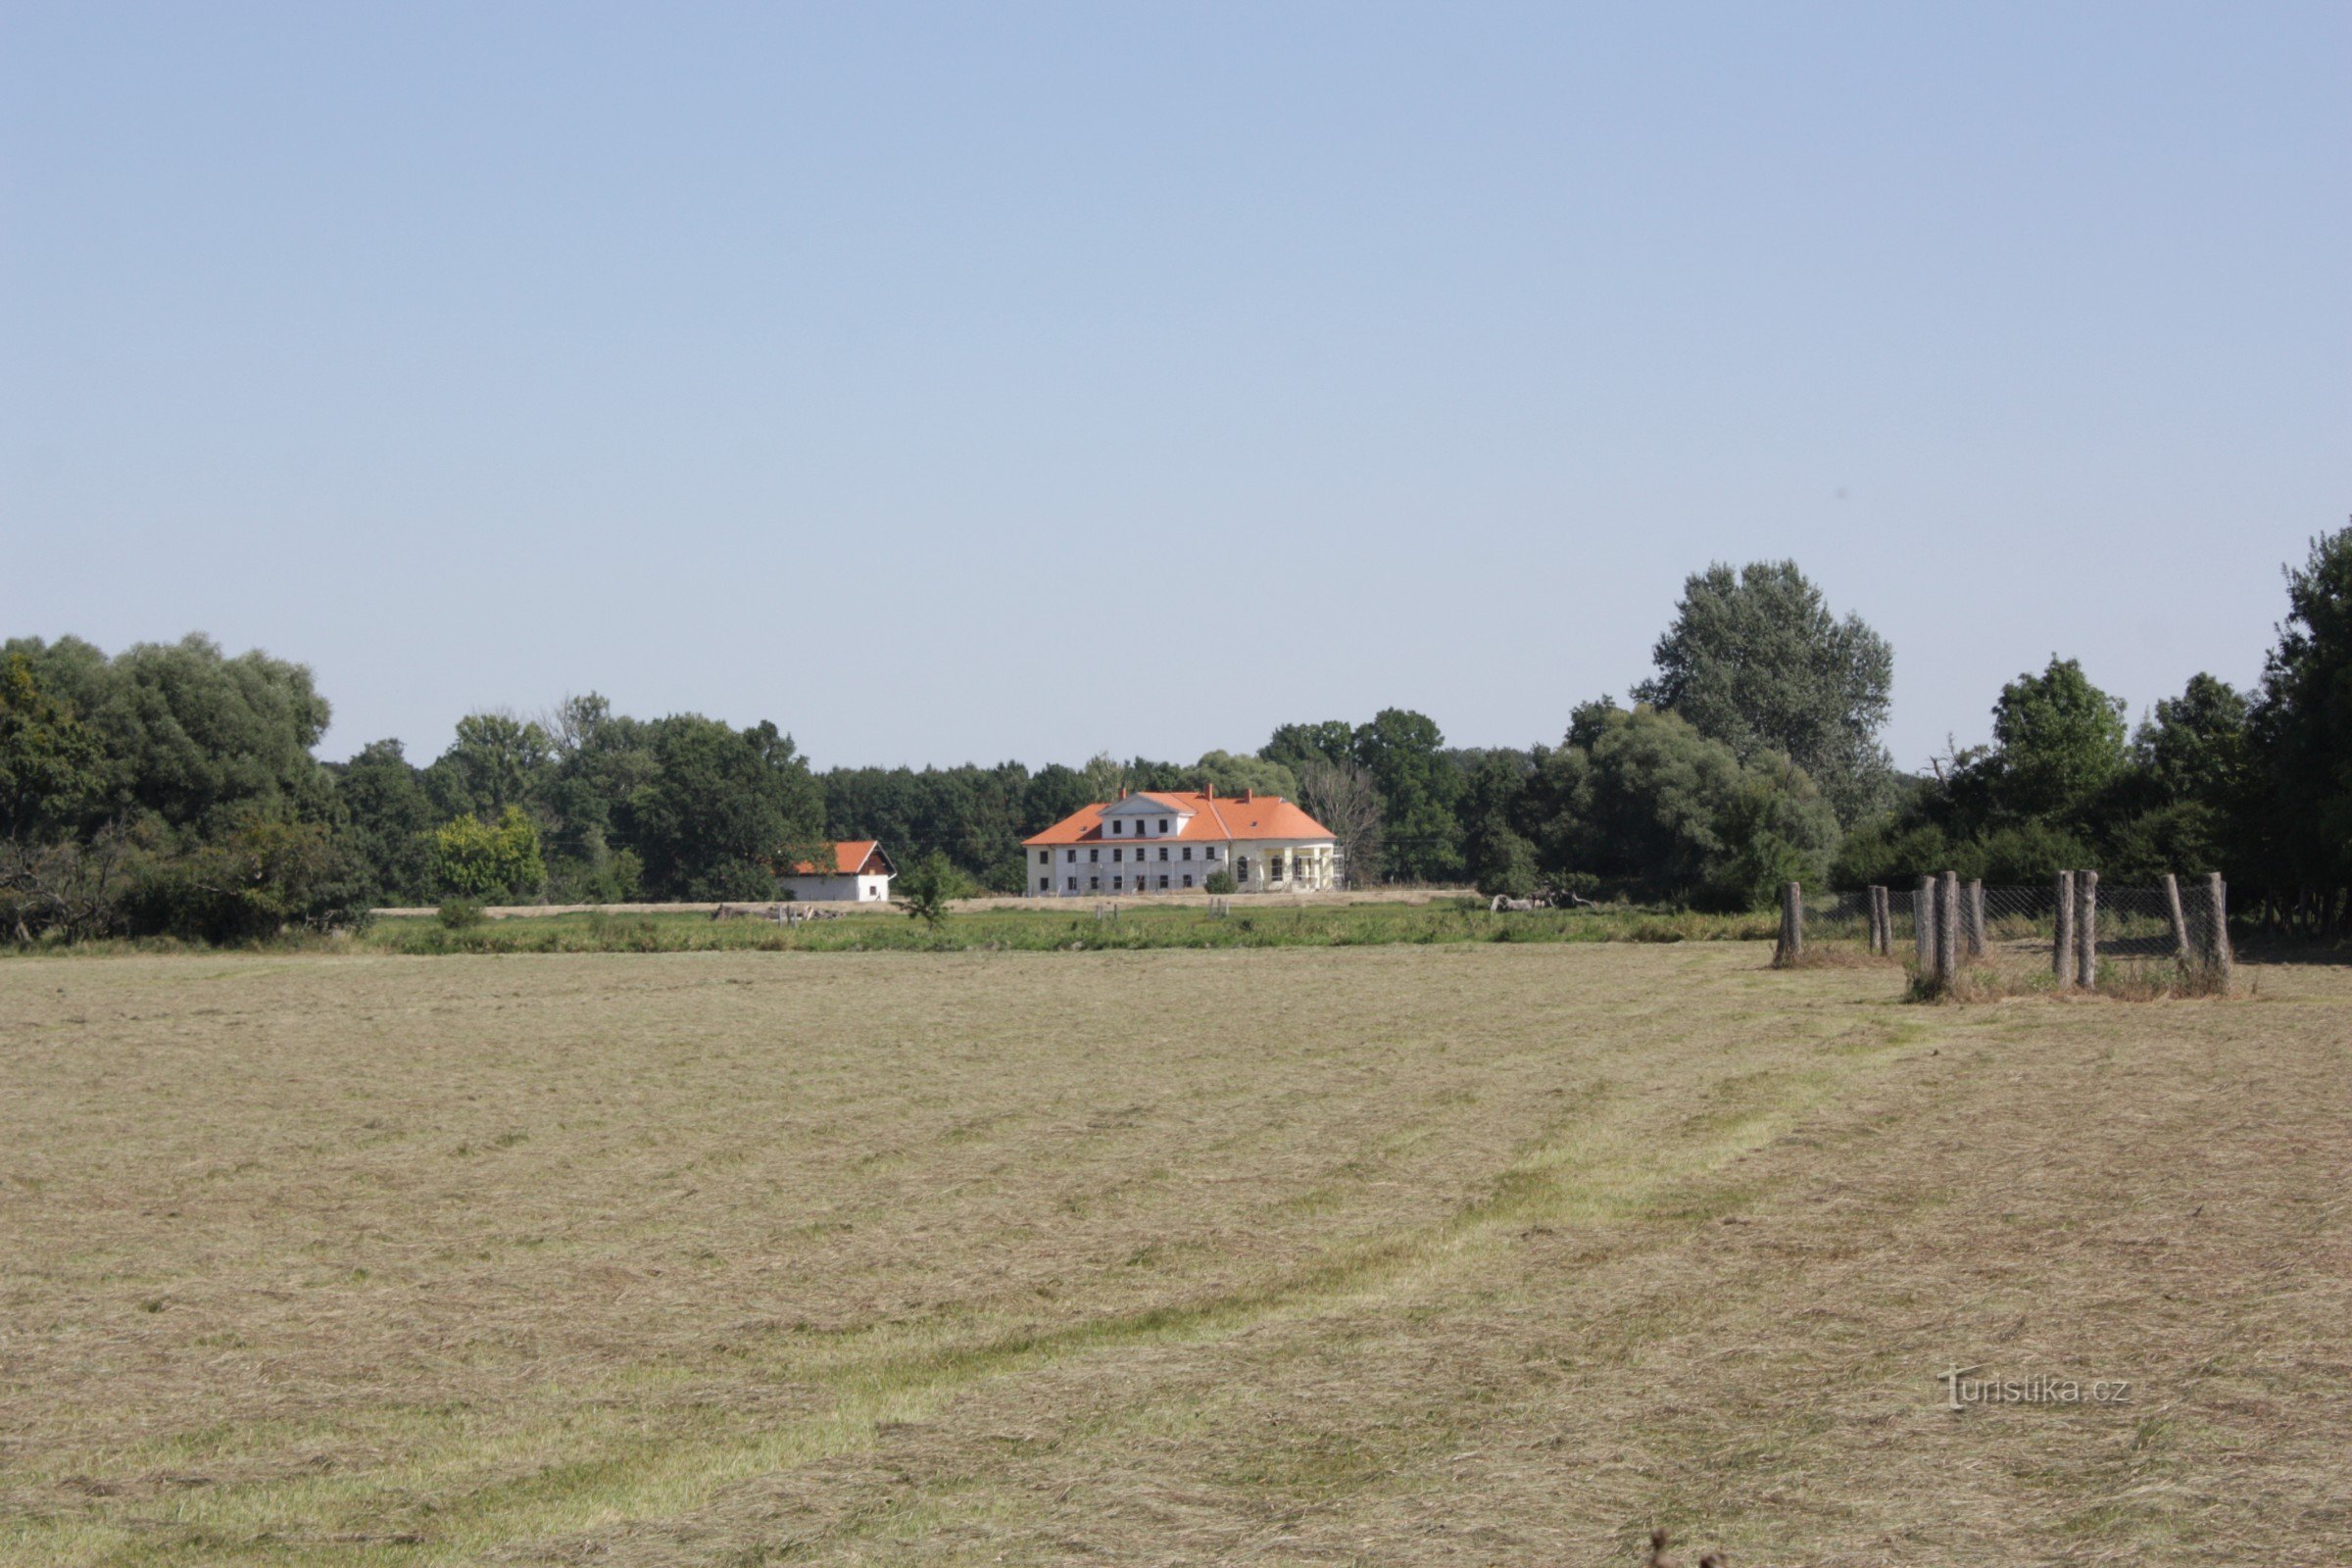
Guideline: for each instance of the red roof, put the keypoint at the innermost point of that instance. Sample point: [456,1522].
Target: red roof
[849,858]
[1222,817]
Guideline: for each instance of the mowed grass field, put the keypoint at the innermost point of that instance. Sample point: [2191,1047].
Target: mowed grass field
[1468,1253]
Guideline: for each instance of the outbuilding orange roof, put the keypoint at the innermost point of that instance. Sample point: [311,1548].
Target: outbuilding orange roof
[849,858]
[1222,817]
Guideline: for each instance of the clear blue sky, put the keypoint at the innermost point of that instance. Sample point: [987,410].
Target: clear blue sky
[1014,381]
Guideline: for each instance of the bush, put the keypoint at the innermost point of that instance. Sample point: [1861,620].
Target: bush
[261,877]
[1220,882]
[462,915]
[474,860]
[926,889]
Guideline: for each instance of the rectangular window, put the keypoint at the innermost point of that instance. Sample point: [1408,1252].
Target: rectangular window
[1045,857]
[1163,824]
[1116,853]
[1046,882]
[1072,856]
[1117,882]
[1093,883]
[1187,879]
[1094,855]
[1212,851]
[1163,879]
[1117,827]
[1164,852]
[1073,884]
[1188,851]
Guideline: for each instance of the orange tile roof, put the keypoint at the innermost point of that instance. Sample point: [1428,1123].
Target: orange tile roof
[1223,818]
[848,860]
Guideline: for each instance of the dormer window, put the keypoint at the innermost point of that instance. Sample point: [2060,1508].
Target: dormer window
[1163,824]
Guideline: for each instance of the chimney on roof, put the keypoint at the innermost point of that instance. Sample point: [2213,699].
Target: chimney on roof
[1249,795]
[1208,791]
[1122,791]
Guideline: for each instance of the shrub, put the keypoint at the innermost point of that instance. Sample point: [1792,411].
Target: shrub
[1220,882]
[925,889]
[462,915]
[475,859]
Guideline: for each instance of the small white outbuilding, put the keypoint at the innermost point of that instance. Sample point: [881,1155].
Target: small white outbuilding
[860,873]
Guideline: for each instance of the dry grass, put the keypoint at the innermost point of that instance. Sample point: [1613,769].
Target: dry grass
[1394,1255]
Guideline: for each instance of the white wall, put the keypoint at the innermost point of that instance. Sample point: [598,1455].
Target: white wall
[1119,877]
[838,889]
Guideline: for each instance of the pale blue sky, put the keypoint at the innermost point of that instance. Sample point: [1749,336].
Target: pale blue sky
[1021,381]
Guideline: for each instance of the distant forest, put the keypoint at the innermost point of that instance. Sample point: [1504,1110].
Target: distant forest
[170,789]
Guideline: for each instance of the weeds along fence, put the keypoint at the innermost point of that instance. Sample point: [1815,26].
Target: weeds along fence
[1965,940]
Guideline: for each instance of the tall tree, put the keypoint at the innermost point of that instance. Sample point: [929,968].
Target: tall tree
[1229,775]
[388,814]
[1405,752]
[1344,798]
[2299,816]
[1641,802]
[497,760]
[52,768]
[2057,742]
[1295,745]
[1496,855]
[2193,748]
[192,736]
[1756,659]
[721,810]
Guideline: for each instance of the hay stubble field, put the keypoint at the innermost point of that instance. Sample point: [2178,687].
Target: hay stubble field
[1471,1254]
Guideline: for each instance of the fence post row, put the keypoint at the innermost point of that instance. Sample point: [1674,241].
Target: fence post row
[1948,931]
[2179,919]
[1923,912]
[2086,929]
[2062,952]
[1792,945]
[2216,947]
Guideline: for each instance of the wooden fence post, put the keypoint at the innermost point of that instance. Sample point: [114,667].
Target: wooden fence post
[1975,920]
[1881,918]
[2172,909]
[2062,952]
[1923,921]
[2087,930]
[1797,919]
[1780,948]
[2217,909]
[1948,931]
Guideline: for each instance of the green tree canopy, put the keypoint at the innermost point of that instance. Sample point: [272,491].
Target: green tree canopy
[1294,746]
[479,859]
[2193,748]
[2057,742]
[2299,823]
[193,736]
[722,810]
[1755,660]
[52,768]
[1405,752]
[1651,806]
[1229,775]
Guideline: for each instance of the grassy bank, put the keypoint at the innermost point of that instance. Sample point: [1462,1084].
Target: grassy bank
[1064,929]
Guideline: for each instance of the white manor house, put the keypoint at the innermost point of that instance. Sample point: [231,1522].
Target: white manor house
[1165,841]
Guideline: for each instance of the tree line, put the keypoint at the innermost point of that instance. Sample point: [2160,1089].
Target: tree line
[171,789]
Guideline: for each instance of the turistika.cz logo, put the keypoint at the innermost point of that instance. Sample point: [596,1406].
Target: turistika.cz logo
[1960,1391]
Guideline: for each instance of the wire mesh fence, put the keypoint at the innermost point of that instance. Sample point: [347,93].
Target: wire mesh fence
[1964,939]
